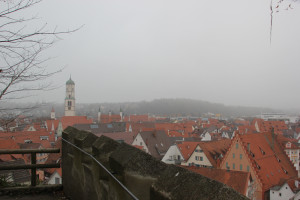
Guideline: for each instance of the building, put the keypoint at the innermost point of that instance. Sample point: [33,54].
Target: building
[262,156]
[70,98]
[155,143]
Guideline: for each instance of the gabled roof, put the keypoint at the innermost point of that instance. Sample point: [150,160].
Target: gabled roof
[157,142]
[215,150]
[9,144]
[18,176]
[187,148]
[268,160]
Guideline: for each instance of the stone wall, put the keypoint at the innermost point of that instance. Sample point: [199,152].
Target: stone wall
[146,177]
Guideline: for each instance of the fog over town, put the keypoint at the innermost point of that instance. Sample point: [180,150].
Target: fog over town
[216,51]
[160,99]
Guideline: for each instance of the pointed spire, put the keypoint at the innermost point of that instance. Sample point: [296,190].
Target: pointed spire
[70,81]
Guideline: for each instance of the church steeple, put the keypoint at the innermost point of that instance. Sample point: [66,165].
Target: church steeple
[52,113]
[99,115]
[70,98]
[121,114]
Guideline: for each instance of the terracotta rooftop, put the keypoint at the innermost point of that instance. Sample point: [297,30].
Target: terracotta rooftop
[236,179]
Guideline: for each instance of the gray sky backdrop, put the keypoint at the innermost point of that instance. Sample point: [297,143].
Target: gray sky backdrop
[213,50]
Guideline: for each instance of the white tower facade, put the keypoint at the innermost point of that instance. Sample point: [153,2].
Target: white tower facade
[52,113]
[70,98]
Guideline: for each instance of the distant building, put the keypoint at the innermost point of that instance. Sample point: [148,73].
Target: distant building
[70,98]
[274,116]
[52,115]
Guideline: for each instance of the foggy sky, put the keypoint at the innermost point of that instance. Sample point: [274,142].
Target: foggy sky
[212,50]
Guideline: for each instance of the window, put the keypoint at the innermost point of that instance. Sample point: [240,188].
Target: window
[44,137]
[201,158]
[233,155]
[280,194]
[241,167]
[248,168]
[226,164]
[241,156]
[57,180]
[237,145]
[233,166]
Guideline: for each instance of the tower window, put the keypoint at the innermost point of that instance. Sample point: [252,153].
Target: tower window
[69,103]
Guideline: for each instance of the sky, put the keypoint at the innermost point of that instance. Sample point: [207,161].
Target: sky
[212,50]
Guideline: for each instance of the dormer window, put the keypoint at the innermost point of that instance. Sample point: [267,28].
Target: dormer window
[44,137]
[27,141]
[288,145]
[262,151]
[258,167]
[286,172]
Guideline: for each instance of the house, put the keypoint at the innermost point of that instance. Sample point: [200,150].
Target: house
[261,155]
[136,118]
[65,121]
[40,157]
[206,136]
[292,150]
[208,154]
[9,143]
[266,126]
[173,155]
[281,192]
[21,176]
[156,142]
[56,177]
[54,158]
[109,118]
[136,127]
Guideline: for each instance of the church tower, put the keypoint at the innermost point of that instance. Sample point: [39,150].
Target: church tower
[70,98]
[52,113]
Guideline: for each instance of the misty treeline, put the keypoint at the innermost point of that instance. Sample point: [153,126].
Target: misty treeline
[170,107]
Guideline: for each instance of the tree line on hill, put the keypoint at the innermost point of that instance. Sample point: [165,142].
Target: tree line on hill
[169,107]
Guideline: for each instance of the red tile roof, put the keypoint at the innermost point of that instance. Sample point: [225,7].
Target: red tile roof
[187,148]
[9,144]
[236,179]
[136,118]
[268,159]
[215,150]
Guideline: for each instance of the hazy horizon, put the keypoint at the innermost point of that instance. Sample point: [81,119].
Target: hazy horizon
[212,51]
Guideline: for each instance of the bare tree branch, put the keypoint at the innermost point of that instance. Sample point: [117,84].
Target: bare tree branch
[22,49]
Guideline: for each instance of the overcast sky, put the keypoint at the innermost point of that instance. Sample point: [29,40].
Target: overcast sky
[212,50]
